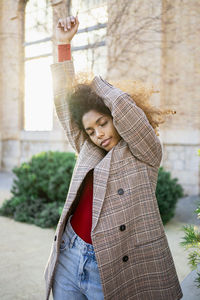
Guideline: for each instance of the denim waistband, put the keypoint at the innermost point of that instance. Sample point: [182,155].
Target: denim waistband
[75,240]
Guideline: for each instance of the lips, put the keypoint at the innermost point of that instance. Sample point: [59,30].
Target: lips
[105,142]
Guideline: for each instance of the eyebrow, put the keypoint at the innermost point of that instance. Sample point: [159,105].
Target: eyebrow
[96,122]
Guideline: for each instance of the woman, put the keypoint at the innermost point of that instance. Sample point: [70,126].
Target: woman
[110,242]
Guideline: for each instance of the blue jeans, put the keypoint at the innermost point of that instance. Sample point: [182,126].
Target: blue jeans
[77,274]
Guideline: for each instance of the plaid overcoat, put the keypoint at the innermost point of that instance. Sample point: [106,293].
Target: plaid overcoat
[131,248]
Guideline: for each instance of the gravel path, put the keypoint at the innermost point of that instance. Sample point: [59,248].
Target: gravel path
[25,248]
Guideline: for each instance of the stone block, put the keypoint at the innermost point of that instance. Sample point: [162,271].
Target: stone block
[178,165]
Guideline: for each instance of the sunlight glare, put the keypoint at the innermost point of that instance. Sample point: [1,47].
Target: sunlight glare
[38,94]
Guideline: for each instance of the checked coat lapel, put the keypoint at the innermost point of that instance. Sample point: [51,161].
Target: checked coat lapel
[90,157]
[101,173]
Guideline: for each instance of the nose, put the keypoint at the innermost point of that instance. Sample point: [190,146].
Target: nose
[99,132]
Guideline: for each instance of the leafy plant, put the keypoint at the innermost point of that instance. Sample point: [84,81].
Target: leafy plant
[191,240]
[40,188]
[168,191]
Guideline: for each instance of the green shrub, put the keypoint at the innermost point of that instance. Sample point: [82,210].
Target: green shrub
[168,191]
[47,176]
[191,240]
[40,188]
[49,215]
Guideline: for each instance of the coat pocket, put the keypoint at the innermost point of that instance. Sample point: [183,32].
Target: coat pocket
[148,227]
[141,243]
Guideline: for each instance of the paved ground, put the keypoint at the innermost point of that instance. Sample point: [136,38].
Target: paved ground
[25,249]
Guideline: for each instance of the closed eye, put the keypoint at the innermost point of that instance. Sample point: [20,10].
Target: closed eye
[103,123]
[99,125]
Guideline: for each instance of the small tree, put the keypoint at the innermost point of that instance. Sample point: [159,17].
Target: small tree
[191,240]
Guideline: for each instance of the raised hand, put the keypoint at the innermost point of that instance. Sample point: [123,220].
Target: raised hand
[66,29]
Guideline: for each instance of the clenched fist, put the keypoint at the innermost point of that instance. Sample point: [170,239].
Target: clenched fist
[66,28]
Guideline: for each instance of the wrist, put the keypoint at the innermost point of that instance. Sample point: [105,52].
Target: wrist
[63,42]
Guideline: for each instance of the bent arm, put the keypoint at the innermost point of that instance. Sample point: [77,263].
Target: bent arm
[62,75]
[130,122]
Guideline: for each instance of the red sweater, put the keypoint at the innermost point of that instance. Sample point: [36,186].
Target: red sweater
[81,220]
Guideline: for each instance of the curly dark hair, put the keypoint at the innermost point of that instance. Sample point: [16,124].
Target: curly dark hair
[84,99]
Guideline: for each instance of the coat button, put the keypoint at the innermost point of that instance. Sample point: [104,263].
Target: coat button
[120,191]
[125,258]
[55,237]
[122,227]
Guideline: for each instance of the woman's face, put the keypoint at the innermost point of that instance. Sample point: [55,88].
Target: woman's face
[100,127]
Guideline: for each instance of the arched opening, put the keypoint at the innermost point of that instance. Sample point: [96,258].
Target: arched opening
[38,104]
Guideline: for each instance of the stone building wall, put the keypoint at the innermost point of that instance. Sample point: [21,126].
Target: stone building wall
[158,42]
[16,144]
[180,89]
[10,80]
[155,41]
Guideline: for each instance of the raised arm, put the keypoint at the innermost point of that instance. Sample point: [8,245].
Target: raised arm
[130,122]
[63,74]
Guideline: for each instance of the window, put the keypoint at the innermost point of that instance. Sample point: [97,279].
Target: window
[88,48]
[89,45]
[38,110]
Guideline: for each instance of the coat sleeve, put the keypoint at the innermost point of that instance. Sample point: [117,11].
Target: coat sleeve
[62,75]
[130,122]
